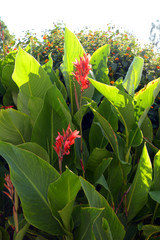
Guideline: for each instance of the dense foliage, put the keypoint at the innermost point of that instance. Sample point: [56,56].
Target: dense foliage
[78,143]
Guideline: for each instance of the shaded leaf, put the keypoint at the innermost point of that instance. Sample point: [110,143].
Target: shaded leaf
[15,127]
[96,200]
[140,187]
[35,174]
[88,217]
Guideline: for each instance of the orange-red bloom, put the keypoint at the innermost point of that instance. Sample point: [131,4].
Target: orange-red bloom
[9,187]
[145,56]
[6,107]
[63,143]
[81,72]
[44,37]
[117,59]
[158,67]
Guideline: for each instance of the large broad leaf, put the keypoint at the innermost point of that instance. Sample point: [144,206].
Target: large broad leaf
[147,129]
[144,99]
[121,101]
[99,67]
[48,67]
[27,66]
[31,78]
[96,137]
[140,187]
[36,149]
[133,75]
[155,193]
[149,230]
[31,177]
[99,63]
[15,127]
[88,217]
[11,88]
[96,200]
[107,131]
[7,80]
[53,118]
[98,161]
[156,185]
[61,193]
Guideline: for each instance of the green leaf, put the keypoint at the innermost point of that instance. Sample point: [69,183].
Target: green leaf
[155,195]
[4,234]
[31,79]
[149,230]
[140,187]
[135,136]
[121,101]
[20,235]
[106,227]
[36,149]
[96,137]
[34,106]
[15,127]
[98,161]
[53,118]
[99,63]
[88,217]
[107,130]
[61,193]
[48,67]
[117,170]
[96,200]
[144,99]
[31,177]
[7,80]
[26,67]
[66,213]
[156,183]
[78,116]
[99,66]
[147,129]
[133,75]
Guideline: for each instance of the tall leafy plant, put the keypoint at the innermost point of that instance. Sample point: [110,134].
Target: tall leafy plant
[105,184]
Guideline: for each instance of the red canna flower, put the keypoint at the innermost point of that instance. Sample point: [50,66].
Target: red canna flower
[63,144]
[9,187]
[158,67]
[82,69]
[6,107]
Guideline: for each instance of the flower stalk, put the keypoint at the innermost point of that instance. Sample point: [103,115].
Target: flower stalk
[82,68]
[63,144]
[12,194]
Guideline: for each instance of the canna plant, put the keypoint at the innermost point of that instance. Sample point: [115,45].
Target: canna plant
[100,178]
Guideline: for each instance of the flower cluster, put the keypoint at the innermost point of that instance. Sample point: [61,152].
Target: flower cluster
[81,72]
[9,187]
[63,143]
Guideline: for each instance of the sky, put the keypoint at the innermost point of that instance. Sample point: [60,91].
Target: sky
[36,15]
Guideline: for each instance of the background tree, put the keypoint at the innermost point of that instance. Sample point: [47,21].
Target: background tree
[155,34]
[5,37]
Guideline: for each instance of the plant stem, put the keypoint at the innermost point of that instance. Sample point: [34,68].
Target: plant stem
[154,214]
[82,163]
[15,210]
